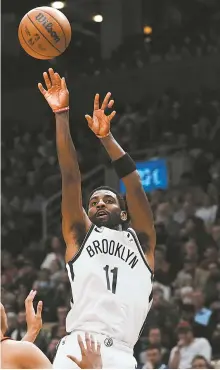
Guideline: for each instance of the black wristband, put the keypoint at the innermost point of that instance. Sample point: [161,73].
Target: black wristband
[124,166]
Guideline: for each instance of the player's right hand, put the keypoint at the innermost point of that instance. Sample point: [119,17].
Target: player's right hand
[57,94]
[91,355]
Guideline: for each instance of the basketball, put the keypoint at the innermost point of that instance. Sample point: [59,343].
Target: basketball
[44,33]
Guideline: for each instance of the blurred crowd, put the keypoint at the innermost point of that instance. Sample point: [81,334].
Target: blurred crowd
[185,318]
[170,45]
[183,326]
[178,35]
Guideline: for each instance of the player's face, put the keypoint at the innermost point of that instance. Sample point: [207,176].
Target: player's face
[104,209]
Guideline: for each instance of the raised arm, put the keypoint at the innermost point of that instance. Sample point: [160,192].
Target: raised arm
[34,320]
[75,222]
[138,205]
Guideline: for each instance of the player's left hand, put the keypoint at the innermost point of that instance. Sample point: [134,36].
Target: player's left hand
[100,123]
[34,319]
[91,355]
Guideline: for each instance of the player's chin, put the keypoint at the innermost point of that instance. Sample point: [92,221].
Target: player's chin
[101,221]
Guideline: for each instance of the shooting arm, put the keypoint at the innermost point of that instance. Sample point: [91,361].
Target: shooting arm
[138,205]
[75,221]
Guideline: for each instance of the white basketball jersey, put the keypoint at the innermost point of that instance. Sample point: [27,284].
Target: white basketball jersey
[111,285]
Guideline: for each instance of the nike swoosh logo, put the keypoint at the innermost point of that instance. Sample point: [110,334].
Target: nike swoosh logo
[97,230]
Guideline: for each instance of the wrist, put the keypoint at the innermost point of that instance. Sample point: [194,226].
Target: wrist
[61,110]
[31,335]
[106,137]
[33,331]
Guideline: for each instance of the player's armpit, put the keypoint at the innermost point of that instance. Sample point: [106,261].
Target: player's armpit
[75,235]
[31,357]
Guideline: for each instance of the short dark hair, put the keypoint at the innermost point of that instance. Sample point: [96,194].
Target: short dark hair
[153,346]
[184,327]
[200,357]
[121,200]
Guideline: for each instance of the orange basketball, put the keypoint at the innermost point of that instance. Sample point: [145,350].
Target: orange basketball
[44,32]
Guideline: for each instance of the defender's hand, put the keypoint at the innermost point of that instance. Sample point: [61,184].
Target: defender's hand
[100,123]
[57,94]
[91,355]
[34,319]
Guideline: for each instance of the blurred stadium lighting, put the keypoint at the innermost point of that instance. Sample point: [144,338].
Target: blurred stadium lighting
[148,30]
[58,4]
[98,18]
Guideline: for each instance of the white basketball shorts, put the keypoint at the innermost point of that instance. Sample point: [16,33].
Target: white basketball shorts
[115,355]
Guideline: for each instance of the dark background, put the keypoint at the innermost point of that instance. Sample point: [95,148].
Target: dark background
[166,87]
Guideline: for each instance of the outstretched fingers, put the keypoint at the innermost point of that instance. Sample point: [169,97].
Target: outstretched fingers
[111,116]
[111,103]
[30,298]
[57,79]
[39,309]
[47,80]
[81,344]
[92,341]
[93,124]
[52,76]
[96,102]
[42,89]
[74,359]
[105,101]
[63,83]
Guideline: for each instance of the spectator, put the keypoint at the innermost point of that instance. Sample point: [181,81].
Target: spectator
[154,358]
[21,329]
[198,276]
[52,348]
[200,362]
[56,254]
[187,348]
[155,338]
[207,212]
[61,319]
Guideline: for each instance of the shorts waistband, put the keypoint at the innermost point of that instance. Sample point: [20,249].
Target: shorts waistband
[107,340]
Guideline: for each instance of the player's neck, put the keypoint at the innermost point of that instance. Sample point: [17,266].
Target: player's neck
[118,228]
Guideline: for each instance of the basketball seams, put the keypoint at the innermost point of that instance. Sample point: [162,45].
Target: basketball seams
[58,24]
[36,52]
[43,35]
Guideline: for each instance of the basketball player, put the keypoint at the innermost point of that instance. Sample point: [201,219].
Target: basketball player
[110,265]
[25,355]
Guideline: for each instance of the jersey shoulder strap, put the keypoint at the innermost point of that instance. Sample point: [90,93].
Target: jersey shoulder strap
[134,235]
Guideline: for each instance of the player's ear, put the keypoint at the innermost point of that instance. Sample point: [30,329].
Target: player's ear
[124,216]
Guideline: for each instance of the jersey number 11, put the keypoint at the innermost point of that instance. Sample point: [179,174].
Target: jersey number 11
[114,271]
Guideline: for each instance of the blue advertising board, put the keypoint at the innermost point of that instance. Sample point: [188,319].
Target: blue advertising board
[153,174]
